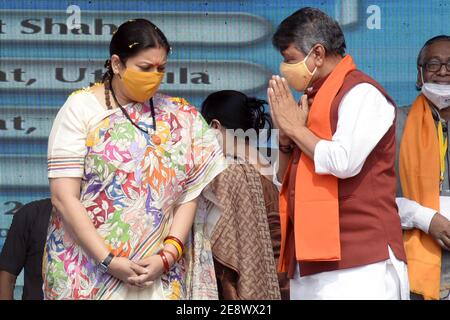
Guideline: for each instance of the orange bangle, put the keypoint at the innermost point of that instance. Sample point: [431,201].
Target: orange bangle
[176,240]
[176,245]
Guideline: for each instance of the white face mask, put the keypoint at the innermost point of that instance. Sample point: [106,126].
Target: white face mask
[439,94]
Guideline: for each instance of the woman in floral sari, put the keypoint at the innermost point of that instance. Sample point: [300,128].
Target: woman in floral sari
[125,166]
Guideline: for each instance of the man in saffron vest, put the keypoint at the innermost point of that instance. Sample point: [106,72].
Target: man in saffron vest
[424,197]
[341,232]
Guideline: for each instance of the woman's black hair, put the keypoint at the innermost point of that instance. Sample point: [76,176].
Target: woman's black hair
[234,110]
[131,37]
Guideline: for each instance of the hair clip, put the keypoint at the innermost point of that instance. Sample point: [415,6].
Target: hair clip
[133,44]
[107,63]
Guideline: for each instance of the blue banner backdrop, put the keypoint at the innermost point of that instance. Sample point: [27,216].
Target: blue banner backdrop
[216,45]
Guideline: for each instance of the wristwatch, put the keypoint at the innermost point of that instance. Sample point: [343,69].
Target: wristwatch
[104,265]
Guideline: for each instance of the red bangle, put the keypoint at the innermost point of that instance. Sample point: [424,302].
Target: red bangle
[165,261]
[176,240]
[171,254]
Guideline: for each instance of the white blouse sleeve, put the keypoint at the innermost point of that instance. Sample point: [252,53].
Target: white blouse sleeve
[67,142]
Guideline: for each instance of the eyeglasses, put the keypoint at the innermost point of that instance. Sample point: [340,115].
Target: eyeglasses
[435,66]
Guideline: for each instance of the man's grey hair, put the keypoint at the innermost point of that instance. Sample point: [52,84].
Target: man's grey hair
[307,27]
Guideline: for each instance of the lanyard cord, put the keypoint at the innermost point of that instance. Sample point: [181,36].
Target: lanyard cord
[448,171]
[152,110]
[443,148]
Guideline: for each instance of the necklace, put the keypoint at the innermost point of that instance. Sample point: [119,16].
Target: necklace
[156,139]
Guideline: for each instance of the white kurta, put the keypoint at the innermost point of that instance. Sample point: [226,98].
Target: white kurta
[365,116]
[414,215]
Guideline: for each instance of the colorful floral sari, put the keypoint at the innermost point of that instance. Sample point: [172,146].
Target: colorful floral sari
[130,187]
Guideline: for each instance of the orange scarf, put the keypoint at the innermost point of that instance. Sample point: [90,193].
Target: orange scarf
[419,176]
[316,222]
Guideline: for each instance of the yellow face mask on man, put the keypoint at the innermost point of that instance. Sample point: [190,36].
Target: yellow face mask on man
[297,74]
[141,85]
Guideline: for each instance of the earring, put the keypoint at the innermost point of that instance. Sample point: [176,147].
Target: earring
[118,73]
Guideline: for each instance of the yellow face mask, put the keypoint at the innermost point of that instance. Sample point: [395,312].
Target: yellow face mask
[141,85]
[297,74]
